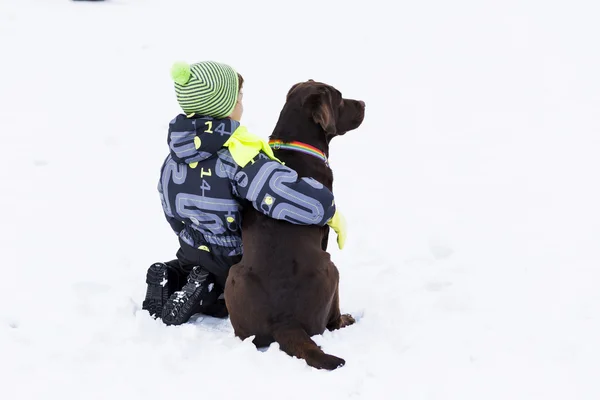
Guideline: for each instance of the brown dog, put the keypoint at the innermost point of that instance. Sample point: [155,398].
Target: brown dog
[285,288]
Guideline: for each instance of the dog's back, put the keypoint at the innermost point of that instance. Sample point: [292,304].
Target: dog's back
[285,289]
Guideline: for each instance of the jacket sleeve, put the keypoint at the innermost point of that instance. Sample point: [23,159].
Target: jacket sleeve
[276,191]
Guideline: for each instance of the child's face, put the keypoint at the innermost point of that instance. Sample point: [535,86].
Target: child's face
[237,112]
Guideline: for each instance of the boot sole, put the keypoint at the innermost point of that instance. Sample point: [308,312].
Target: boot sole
[157,292]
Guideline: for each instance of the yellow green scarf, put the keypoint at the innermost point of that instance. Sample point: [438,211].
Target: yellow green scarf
[244,146]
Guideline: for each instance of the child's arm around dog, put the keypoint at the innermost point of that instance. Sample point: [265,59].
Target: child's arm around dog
[273,188]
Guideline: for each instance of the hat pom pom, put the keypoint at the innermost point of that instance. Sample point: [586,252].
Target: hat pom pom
[181,72]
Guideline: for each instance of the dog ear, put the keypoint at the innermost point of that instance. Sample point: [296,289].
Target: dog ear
[324,117]
[322,110]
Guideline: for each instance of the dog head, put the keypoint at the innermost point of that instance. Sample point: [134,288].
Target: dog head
[325,106]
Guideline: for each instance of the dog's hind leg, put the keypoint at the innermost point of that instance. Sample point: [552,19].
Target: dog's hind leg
[337,320]
[294,340]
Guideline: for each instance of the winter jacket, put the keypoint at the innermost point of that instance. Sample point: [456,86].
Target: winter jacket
[203,189]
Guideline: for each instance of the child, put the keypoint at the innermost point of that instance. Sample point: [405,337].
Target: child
[214,169]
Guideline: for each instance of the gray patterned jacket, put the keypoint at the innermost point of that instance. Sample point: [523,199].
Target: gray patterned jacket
[203,190]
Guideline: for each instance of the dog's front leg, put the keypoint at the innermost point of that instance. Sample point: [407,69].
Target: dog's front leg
[338,320]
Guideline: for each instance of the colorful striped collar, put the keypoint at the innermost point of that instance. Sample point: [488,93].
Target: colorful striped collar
[299,146]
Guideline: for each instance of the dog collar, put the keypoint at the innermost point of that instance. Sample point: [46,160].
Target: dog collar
[300,147]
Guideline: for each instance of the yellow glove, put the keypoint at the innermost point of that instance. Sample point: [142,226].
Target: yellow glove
[338,224]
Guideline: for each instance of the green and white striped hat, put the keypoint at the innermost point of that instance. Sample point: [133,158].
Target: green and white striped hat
[206,88]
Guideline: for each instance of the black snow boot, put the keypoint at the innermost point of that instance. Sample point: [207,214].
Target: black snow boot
[162,281]
[190,299]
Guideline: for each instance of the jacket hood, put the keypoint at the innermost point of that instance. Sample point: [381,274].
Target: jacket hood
[195,139]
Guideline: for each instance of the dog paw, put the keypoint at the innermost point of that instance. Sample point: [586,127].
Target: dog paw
[320,360]
[346,320]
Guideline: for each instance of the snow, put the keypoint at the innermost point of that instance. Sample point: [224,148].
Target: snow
[471,194]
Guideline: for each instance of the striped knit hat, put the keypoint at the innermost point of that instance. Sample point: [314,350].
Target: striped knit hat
[206,88]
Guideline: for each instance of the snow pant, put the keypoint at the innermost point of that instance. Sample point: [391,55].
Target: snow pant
[216,262]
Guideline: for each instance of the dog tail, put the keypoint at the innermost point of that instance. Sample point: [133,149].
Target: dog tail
[294,340]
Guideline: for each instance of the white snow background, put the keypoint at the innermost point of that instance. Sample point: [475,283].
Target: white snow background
[471,193]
